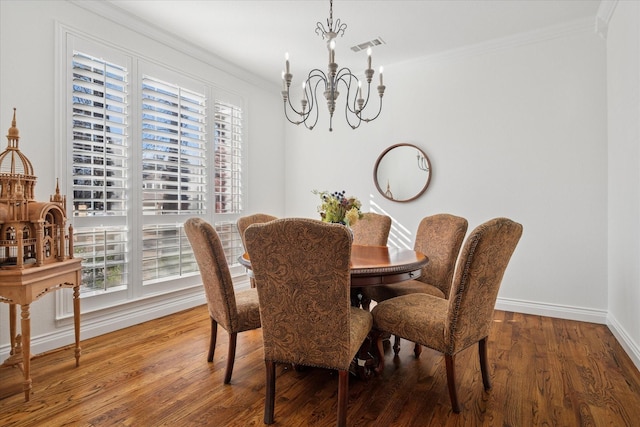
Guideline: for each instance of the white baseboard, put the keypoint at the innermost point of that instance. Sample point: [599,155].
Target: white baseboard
[632,348]
[553,310]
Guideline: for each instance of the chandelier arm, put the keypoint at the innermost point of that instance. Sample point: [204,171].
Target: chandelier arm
[343,78]
[346,116]
[287,100]
[313,101]
[374,117]
[347,78]
[315,73]
[319,77]
[287,116]
[366,99]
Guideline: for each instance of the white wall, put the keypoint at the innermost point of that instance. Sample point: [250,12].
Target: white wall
[623,88]
[28,82]
[514,128]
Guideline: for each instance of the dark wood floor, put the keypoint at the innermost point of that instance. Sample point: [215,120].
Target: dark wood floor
[545,372]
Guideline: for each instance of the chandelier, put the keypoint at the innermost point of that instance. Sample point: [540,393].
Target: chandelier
[330,82]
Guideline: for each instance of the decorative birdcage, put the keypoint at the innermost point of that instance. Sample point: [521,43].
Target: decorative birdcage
[32,233]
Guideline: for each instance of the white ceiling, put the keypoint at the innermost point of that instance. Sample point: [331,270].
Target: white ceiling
[256,34]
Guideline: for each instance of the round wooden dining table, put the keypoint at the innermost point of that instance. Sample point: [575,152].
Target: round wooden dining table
[384,265]
[377,265]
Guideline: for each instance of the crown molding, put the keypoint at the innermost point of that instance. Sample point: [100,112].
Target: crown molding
[605,12]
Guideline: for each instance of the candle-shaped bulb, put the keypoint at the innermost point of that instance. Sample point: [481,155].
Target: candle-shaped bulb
[332,51]
[368,58]
[286,58]
[381,70]
[360,89]
[304,91]
[283,83]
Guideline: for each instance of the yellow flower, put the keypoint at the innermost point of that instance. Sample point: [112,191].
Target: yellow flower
[352,216]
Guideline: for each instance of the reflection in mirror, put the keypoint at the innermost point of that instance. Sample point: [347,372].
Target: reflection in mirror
[402,172]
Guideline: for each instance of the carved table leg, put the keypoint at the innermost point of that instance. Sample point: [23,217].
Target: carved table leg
[26,351]
[12,328]
[364,362]
[76,320]
[378,338]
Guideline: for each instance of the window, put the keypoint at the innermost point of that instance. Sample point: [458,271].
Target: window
[145,154]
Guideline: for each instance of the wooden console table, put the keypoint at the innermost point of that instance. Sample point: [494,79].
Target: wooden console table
[22,287]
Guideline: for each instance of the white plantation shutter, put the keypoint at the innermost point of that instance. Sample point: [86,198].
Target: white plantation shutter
[99,137]
[166,253]
[104,258]
[99,170]
[228,157]
[173,149]
[174,175]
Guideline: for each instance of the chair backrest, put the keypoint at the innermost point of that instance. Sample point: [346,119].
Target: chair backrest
[481,266]
[440,237]
[303,278]
[214,271]
[245,221]
[372,229]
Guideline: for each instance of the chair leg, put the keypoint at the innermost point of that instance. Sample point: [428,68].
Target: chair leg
[417,350]
[270,400]
[212,341]
[231,357]
[343,397]
[484,366]
[396,345]
[451,381]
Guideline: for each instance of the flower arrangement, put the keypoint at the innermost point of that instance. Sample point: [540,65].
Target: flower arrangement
[338,208]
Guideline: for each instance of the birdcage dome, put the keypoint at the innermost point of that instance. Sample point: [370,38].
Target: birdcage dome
[12,161]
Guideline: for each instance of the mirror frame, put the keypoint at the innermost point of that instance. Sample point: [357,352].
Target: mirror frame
[375,172]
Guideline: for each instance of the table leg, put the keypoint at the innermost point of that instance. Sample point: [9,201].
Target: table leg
[76,320]
[25,324]
[12,328]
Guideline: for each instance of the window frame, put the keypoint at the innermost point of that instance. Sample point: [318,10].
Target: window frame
[138,65]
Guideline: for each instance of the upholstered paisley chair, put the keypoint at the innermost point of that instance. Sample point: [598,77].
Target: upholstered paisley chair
[452,325]
[243,223]
[439,237]
[303,279]
[372,229]
[235,311]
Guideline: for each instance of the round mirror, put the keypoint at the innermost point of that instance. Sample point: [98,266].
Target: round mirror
[402,172]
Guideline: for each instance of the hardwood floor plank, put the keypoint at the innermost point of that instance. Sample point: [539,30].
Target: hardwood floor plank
[544,372]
